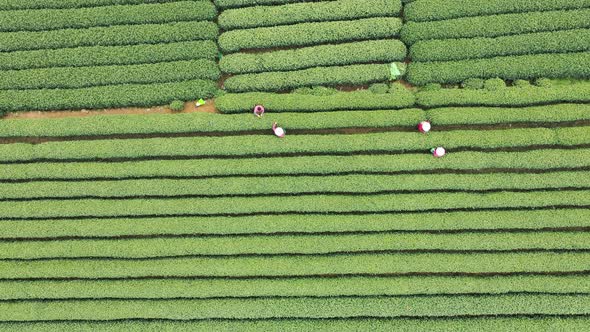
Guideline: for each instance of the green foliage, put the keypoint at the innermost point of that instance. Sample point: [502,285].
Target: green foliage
[284,81]
[65,4]
[434,10]
[356,100]
[81,77]
[306,34]
[106,96]
[177,105]
[266,312]
[496,25]
[109,55]
[225,4]
[474,48]
[283,185]
[340,10]
[521,83]
[525,96]
[205,122]
[508,68]
[380,88]
[543,82]
[388,50]
[431,87]
[497,115]
[265,145]
[473,83]
[311,286]
[108,36]
[311,204]
[52,19]
[494,84]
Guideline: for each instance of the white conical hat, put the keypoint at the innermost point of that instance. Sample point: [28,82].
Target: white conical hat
[279,131]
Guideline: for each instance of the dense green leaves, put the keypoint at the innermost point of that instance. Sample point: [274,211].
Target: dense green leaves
[475,48]
[388,50]
[224,4]
[497,25]
[64,4]
[305,34]
[433,10]
[52,19]
[108,36]
[571,65]
[294,102]
[262,16]
[109,55]
[330,76]
[522,96]
[106,96]
[72,77]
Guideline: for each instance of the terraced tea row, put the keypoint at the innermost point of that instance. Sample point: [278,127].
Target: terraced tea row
[452,43]
[104,54]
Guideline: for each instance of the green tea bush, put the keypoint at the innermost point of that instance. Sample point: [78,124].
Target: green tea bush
[53,19]
[109,55]
[435,10]
[177,105]
[473,84]
[577,40]
[496,25]
[494,84]
[80,77]
[109,96]
[68,4]
[509,68]
[379,88]
[543,82]
[119,35]
[340,10]
[224,4]
[306,34]
[332,76]
[521,83]
[371,51]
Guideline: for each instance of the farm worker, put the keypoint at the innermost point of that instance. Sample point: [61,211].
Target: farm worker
[279,132]
[200,102]
[424,127]
[259,111]
[438,152]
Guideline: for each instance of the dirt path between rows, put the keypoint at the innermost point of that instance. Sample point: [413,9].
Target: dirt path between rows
[189,107]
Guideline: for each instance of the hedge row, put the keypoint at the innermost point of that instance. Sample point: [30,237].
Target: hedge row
[217,312]
[273,245]
[571,93]
[571,65]
[267,145]
[497,25]
[106,96]
[306,34]
[530,220]
[205,122]
[310,204]
[474,48]
[433,10]
[53,19]
[225,4]
[456,162]
[109,55]
[294,102]
[108,36]
[328,76]
[82,77]
[339,10]
[206,288]
[287,185]
[529,115]
[372,51]
[562,323]
[65,4]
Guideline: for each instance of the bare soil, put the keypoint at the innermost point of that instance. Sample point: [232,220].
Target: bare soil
[189,107]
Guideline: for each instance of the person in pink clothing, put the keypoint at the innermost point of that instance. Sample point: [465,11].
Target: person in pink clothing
[279,132]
